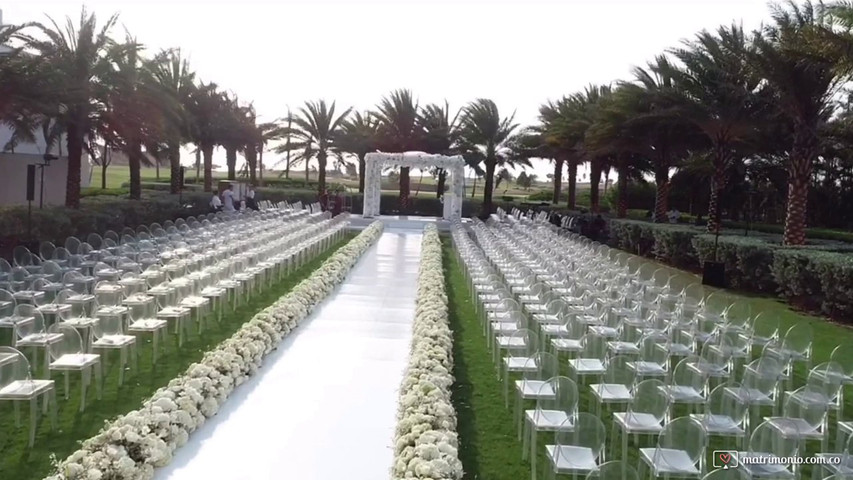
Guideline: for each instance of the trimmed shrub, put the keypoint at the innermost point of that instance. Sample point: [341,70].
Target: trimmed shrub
[674,245]
[816,280]
[748,260]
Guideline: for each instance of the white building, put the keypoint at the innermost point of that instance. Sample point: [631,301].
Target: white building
[14,166]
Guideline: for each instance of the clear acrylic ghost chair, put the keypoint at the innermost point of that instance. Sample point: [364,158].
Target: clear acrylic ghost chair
[7,321]
[566,337]
[68,356]
[591,360]
[614,470]
[104,272]
[534,382]
[579,450]
[802,419]
[57,310]
[738,314]
[520,346]
[133,284]
[109,333]
[796,347]
[765,330]
[842,356]
[552,413]
[507,323]
[767,442]
[645,414]
[680,451]
[714,359]
[215,294]
[836,463]
[616,385]
[172,311]
[52,276]
[653,360]
[17,385]
[143,320]
[725,415]
[33,334]
[686,385]
[760,386]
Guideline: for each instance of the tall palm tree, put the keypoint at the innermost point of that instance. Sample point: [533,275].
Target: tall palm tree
[803,77]
[399,132]
[316,129]
[483,127]
[359,136]
[268,132]
[545,137]
[78,58]
[207,108]
[172,73]
[440,136]
[718,91]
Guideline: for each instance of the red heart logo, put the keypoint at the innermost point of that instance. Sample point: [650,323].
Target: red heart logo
[725,457]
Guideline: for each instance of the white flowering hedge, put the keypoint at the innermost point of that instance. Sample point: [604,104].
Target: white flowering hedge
[132,446]
[426,443]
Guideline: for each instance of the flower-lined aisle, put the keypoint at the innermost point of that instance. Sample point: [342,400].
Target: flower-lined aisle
[426,442]
[133,445]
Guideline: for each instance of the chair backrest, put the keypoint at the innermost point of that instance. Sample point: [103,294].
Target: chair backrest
[71,343]
[685,374]
[765,325]
[29,320]
[649,398]
[7,303]
[684,434]
[586,430]
[843,356]
[523,343]
[565,398]
[618,372]
[593,346]
[541,366]
[723,409]
[108,325]
[15,370]
[614,470]
[827,378]
[738,314]
[766,439]
[650,350]
[806,404]
[799,338]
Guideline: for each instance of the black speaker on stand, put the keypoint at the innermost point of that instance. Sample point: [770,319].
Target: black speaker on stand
[714,273]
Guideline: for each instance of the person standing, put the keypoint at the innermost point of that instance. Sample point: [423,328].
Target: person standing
[324,200]
[228,199]
[250,198]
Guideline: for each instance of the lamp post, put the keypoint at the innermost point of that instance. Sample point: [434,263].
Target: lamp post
[48,157]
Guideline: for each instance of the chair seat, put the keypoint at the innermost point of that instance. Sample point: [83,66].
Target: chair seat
[25,389]
[588,366]
[504,327]
[571,459]
[520,364]
[752,396]
[148,325]
[683,394]
[39,340]
[604,331]
[74,361]
[718,424]
[611,392]
[194,302]
[548,420]
[114,341]
[555,330]
[535,308]
[112,311]
[213,292]
[635,422]
[511,342]
[794,428]
[566,345]
[668,461]
[535,389]
[623,348]
[547,319]
[173,312]
[647,369]
[81,322]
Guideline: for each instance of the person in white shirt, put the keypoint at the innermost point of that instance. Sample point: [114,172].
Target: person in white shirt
[228,199]
[215,202]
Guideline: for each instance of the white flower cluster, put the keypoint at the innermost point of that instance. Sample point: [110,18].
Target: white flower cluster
[426,443]
[132,446]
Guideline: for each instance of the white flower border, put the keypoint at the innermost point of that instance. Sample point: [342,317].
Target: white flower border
[133,445]
[426,443]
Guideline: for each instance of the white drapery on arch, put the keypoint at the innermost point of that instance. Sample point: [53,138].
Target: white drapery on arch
[375,162]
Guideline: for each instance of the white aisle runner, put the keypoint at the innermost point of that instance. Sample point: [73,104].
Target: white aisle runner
[324,405]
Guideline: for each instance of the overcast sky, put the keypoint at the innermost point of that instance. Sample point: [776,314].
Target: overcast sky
[518,53]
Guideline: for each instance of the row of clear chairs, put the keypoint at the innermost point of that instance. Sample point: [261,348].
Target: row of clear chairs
[525,294]
[74,326]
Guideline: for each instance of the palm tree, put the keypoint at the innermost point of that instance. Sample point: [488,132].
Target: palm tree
[268,132]
[208,106]
[78,58]
[803,77]
[399,132]
[316,130]
[440,136]
[359,136]
[171,72]
[483,127]
[719,93]
[545,140]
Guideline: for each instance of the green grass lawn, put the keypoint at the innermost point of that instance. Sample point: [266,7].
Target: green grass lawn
[489,448]
[18,462]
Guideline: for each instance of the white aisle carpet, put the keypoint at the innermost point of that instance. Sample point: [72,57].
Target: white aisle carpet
[323,407]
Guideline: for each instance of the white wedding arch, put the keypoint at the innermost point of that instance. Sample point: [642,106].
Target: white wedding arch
[375,162]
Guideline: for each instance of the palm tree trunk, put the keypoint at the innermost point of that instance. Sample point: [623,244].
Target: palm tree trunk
[307,170]
[442,181]
[799,175]
[573,184]
[558,179]
[405,186]
[156,167]
[75,155]
[474,187]
[134,154]
[594,180]
[491,165]
[174,154]
[197,163]
[362,165]
[661,193]
[718,183]
[622,206]
[231,162]
[252,163]
[261,164]
[104,164]
[321,174]
[207,153]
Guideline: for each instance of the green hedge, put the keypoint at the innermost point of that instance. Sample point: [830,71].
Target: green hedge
[818,276]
